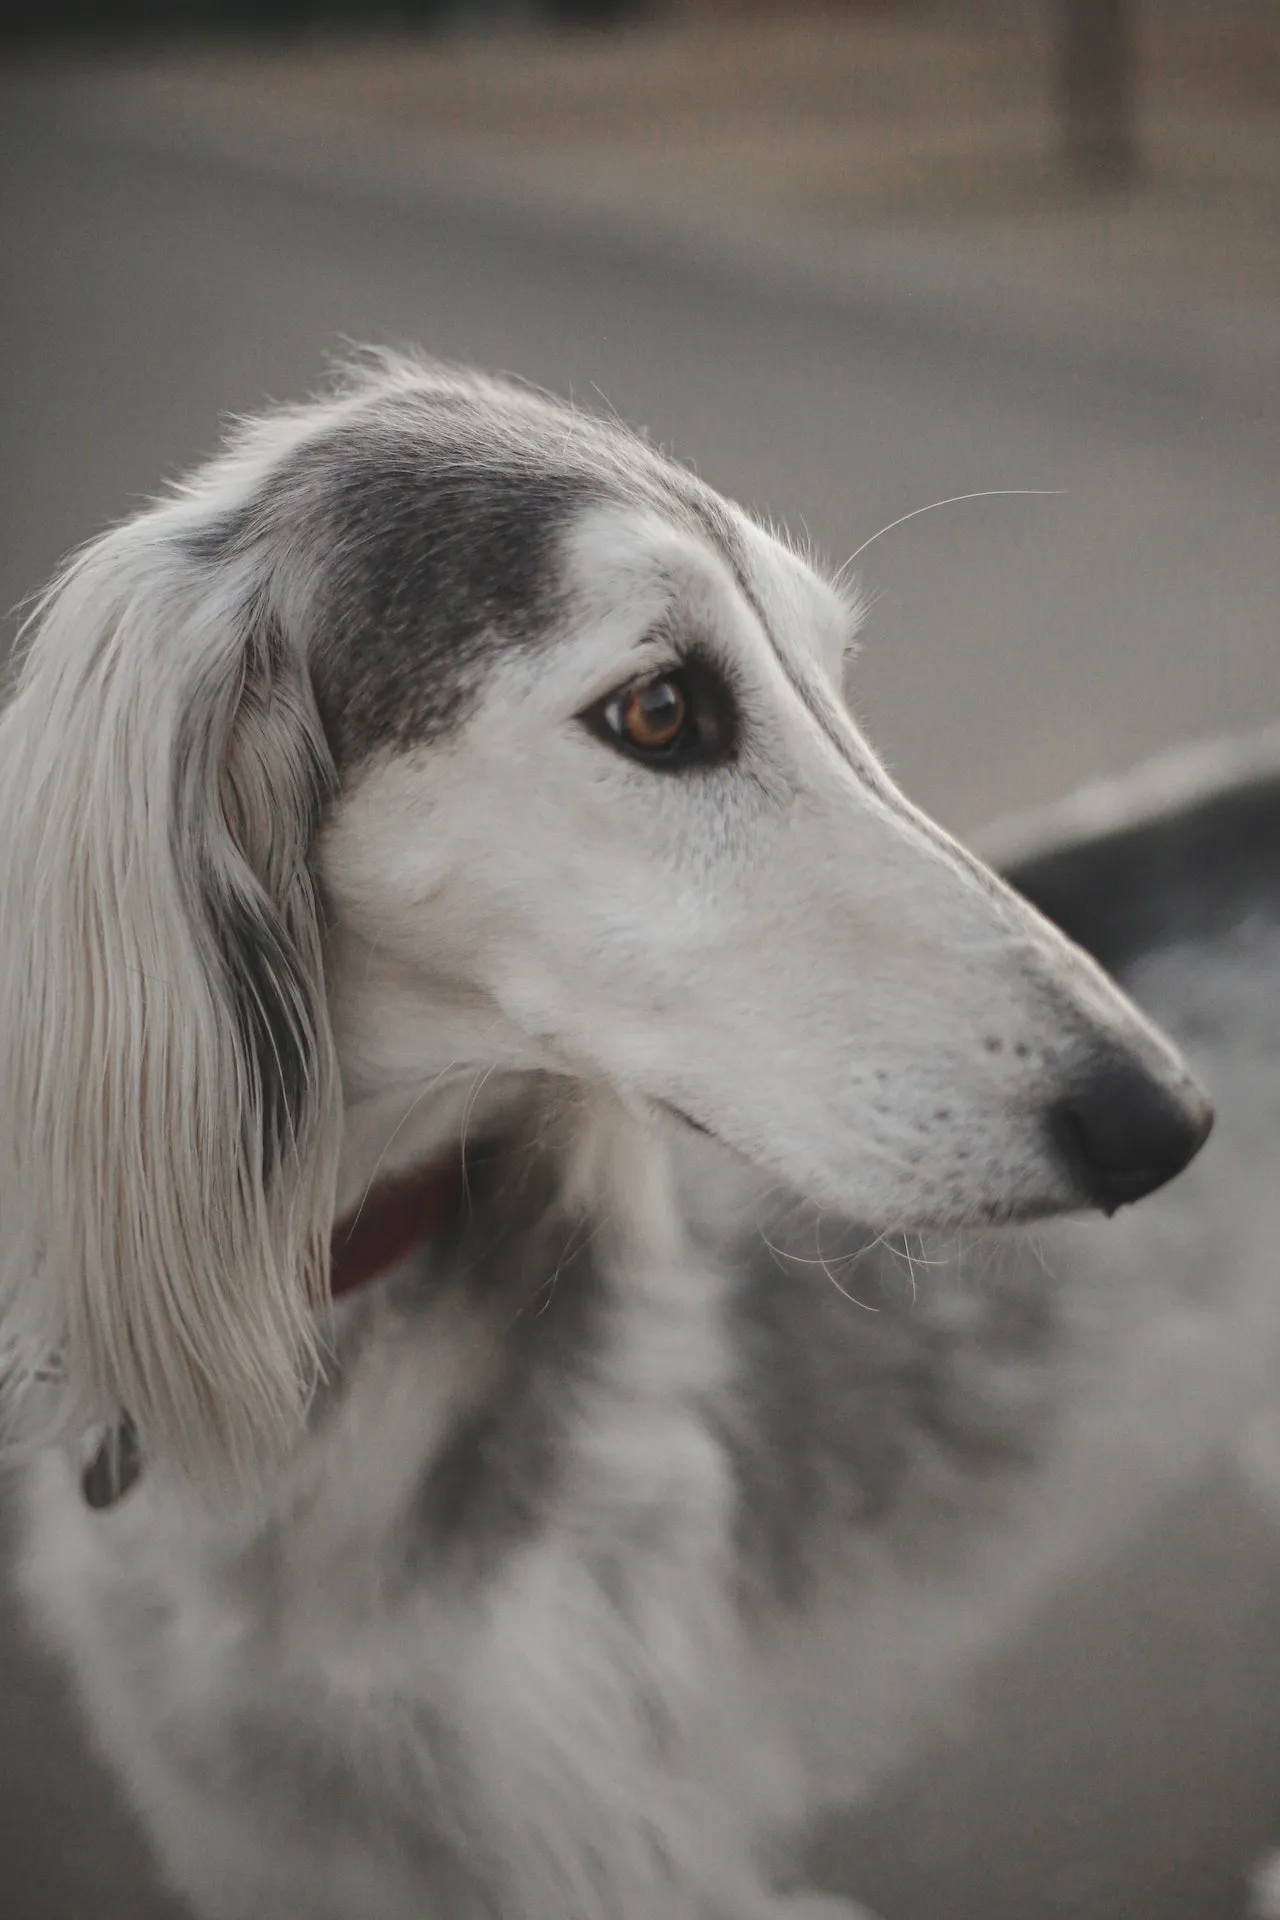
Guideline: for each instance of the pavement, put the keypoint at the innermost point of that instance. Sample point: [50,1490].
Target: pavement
[180,244]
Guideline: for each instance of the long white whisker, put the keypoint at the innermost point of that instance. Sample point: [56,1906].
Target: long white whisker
[780,1258]
[406,1116]
[953,500]
[476,1089]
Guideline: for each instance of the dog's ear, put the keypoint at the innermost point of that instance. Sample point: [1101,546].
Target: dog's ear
[169,1103]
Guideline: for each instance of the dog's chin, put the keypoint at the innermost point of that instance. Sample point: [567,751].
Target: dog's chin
[981,1213]
[818,1189]
[984,1216]
[980,1216]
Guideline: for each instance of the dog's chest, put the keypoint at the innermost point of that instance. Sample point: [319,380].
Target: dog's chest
[478,1578]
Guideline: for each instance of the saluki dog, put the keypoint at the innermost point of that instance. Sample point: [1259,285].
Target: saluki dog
[460,964]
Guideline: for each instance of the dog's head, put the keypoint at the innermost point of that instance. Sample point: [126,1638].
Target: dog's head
[434,732]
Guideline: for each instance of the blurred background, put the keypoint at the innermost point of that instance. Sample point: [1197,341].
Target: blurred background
[848,259]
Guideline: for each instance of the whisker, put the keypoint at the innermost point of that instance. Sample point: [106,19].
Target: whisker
[952,500]
[476,1089]
[782,1258]
[407,1115]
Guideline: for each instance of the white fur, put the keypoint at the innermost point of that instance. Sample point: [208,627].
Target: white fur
[785,950]
[120,1054]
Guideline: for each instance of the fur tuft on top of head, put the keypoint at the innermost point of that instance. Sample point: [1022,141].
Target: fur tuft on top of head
[167,1074]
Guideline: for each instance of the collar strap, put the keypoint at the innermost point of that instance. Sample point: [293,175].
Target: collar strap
[395,1216]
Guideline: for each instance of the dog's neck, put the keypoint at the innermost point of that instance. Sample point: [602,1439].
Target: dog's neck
[404,1166]
[406,1128]
[475,1079]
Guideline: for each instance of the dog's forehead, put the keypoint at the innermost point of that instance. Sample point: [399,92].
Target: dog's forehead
[441,525]
[649,556]
[802,611]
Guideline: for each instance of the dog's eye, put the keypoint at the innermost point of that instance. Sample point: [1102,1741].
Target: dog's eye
[652,716]
[673,719]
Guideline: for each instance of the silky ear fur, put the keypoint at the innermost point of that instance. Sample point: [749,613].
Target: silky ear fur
[169,1094]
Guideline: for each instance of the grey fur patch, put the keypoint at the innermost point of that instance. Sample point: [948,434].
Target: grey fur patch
[252,889]
[852,1394]
[432,519]
[529,1263]
[435,561]
[859,1393]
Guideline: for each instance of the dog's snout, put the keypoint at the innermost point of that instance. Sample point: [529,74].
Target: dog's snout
[1124,1132]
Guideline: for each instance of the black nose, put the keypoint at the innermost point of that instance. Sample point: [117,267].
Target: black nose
[1124,1133]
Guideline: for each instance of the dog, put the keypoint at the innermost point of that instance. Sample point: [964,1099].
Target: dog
[460,963]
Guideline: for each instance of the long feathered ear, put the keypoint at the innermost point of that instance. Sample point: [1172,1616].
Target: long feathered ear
[169,1099]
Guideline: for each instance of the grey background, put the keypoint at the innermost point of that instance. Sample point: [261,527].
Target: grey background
[1124,1759]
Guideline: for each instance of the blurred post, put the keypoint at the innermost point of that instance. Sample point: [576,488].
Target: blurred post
[589,13]
[1097,62]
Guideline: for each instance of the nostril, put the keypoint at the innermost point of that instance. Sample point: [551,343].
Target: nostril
[1124,1132]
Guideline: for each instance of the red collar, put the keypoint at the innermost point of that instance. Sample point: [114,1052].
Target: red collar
[395,1217]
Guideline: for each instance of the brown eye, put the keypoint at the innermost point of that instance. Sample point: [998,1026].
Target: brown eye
[683,717]
[652,715]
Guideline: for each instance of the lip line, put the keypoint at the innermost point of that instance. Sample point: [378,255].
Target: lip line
[1004,1219]
[678,1113]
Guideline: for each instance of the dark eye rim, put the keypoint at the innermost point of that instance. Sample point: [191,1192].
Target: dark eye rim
[709,735]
